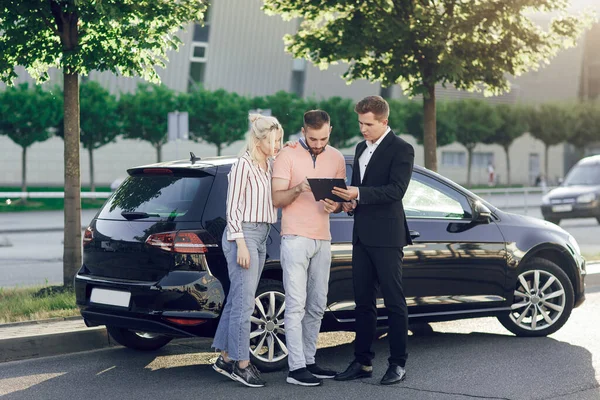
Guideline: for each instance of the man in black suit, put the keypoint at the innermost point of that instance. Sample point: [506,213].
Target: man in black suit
[383,166]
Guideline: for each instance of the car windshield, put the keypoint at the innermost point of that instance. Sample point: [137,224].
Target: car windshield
[158,197]
[586,175]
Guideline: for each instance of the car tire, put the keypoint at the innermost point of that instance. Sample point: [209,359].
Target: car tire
[268,351]
[598,219]
[138,340]
[553,220]
[543,300]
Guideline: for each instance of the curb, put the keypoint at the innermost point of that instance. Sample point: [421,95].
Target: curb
[26,347]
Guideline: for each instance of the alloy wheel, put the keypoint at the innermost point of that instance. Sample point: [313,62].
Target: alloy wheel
[147,335]
[267,333]
[540,300]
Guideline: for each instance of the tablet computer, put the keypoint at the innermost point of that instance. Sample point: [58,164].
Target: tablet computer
[322,187]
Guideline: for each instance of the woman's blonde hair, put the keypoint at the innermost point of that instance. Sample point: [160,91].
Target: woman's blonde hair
[261,127]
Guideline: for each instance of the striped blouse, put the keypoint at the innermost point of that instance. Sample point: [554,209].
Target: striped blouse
[248,196]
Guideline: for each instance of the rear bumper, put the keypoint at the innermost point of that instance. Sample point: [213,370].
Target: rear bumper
[180,294]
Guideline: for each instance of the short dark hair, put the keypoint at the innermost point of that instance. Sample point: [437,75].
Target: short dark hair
[374,104]
[315,119]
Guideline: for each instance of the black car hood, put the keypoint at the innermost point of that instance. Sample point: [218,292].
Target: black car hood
[531,222]
[572,191]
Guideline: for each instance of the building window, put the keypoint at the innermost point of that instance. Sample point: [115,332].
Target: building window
[454,159]
[199,52]
[298,76]
[386,92]
[482,160]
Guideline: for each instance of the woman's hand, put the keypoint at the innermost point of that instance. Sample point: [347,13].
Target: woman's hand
[243,254]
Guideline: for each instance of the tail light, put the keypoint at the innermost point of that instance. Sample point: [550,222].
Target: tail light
[185,321]
[88,235]
[178,242]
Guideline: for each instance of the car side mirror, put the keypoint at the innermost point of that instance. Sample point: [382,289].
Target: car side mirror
[481,214]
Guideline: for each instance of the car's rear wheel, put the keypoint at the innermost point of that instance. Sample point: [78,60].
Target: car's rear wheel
[598,219]
[138,340]
[553,220]
[267,332]
[543,300]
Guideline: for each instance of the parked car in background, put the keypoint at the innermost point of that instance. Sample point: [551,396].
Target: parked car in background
[578,196]
[153,268]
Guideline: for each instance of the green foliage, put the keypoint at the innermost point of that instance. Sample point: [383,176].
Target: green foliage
[22,304]
[28,115]
[219,117]
[552,123]
[472,45]
[420,43]
[99,117]
[287,107]
[145,114]
[410,116]
[586,128]
[513,123]
[343,120]
[128,38]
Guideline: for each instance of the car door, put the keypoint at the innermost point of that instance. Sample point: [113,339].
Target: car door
[454,265]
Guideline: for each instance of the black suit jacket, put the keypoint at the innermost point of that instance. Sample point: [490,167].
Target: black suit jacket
[379,218]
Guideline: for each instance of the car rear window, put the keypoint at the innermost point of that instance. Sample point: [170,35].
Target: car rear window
[159,197]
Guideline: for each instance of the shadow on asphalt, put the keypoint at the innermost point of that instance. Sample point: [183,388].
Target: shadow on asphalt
[441,365]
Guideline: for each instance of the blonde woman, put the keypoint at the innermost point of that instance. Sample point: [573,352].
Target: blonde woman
[250,213]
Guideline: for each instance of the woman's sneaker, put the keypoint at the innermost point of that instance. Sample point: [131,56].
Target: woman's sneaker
[249,376]
[223,367]
[320,372]
[303,378]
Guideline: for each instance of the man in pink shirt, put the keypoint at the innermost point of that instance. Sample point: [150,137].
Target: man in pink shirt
[306,242]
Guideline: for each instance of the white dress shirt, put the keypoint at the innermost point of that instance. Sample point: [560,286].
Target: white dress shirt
[365,157]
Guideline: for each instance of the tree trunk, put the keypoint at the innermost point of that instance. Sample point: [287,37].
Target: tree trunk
[158,152]
[219,149]
[72,238]
[24,173]
[469,162]
[92,184]
[507,165]
[429,129]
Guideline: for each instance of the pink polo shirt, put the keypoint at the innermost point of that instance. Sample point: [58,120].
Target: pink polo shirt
[305,216]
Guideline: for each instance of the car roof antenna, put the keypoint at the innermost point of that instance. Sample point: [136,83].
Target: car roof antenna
[193,158]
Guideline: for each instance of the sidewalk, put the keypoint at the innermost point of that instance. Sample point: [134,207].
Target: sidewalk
[24,340]
[39,221]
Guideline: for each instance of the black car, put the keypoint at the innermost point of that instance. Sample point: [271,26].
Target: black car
[578,196]
[153,268]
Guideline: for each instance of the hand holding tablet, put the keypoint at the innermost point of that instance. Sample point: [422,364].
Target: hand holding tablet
[322,188]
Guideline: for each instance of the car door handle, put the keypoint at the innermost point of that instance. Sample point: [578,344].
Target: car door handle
[414,234]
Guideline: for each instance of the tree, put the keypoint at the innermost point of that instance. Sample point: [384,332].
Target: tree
[586,128]
[219,118]
[473,45]
[144,114]
[28,115]
[411,118]
[513,123]
[99,121]
[552,123]
[343,120]
[78,36]
[476,121]
[287,107]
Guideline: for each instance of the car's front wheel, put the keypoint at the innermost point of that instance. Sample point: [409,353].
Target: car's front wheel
[553,220]
[267,333]
[138,340]
[543,300]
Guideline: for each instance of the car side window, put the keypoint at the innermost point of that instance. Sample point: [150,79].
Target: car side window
[427,198]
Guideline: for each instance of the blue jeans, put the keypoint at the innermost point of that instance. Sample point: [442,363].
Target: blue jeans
[305,263]
[233,332]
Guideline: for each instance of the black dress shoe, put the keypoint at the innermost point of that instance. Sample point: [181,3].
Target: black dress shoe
[394,374]
[355,371]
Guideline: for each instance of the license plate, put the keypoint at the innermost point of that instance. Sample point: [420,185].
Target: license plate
[110,297]
[562,208]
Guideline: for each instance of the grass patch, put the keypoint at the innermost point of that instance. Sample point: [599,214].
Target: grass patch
[15,205]
[34,303]
[591,256]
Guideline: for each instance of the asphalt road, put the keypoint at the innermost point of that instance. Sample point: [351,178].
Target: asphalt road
[471,359]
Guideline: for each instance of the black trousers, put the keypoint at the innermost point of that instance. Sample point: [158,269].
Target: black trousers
[374,267]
